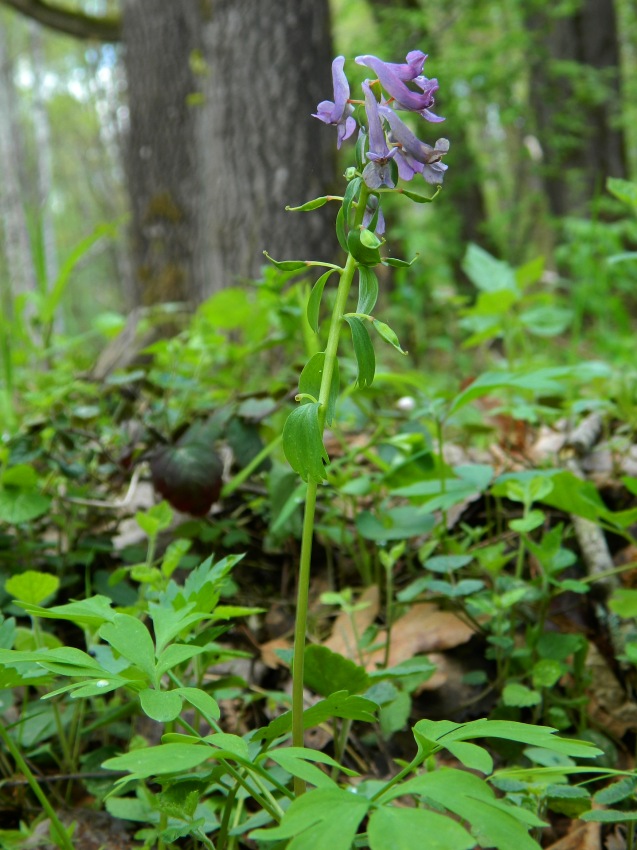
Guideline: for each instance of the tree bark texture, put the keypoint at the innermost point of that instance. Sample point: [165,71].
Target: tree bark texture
[575,93]
[20,266]
[221,139]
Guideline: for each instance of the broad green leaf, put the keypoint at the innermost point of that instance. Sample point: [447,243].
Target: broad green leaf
[472,756]
[32,586]
[625,190]
[487,273]
[168,623]
[314,301]
[363,254]
[326,672]
[546,673]
[65,660]
[447,563]
[230,743]
[363,351]
[546,321]
[394,715]
[310,383]
[298,761]
[175,654]
[130,638]
[623,602]
[392,828]
[609,816]
[89,613]
[534,519]
[18,505]
[388,334]
[162,706]
[160,760]
[616,792]
[519,696]
[322,818]
[367,290]
[399,523]
[21,475]
[303,443]
[202,701]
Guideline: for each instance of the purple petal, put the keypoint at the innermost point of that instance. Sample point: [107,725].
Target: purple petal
[341,86]
[377,143]
[394,85]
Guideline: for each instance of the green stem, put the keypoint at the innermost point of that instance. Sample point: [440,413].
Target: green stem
[300,629]
[23,767]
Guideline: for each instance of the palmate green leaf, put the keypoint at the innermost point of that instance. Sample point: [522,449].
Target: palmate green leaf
[168,623]
[404,829]
[303,443]
[445,731]
[89,613]
[159,761]
[162,706]
[326,672]
[176,654]
[314,301]
[363,351]
[494,822]
[323,818]
[339,704]
[32,586]
[130,638]
[310,383]
[367,290]
[472,756]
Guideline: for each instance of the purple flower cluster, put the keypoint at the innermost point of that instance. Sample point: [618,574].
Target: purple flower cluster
[389,138]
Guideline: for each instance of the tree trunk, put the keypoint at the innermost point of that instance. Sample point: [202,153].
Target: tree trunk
[22,277]
[221,139]
[577,101]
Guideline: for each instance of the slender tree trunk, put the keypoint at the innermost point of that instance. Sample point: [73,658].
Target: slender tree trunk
[577,101]
[22,276]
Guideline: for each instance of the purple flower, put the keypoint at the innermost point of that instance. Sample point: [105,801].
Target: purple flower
[338,113]
[393,77]
[414,156]
[370,211]
[377,172]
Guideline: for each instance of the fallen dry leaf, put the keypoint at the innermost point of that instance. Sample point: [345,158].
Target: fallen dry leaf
[268,652]
[424,628]
[346,626]
[585,836]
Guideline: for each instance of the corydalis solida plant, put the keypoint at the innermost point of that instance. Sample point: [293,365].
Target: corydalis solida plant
[386,153]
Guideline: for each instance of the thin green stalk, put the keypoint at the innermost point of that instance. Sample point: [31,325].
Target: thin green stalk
[300,629]
[23,767]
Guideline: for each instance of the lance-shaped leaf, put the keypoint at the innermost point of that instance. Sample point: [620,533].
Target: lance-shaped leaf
[311,205]
[311,379]
[351,193]
[419,199]
[287,265]
[338,704]
[388,334]
[363,350]
[314,301]
[303,443]
[395,263]
[341,233]
[367,290]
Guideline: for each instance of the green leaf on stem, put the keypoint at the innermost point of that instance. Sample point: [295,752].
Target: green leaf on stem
[314,301]
[363,351]
[327,672]
[404,828]
[367,290]
[326,817]
[419,199]
[130,638]
[341,233]
[395,263]
[310,383]
[387,334]
[351,193]
[287,265]
[303,443]
[32,586]
[158,761]
[364,254]
[310,205]
[339,704]
[162,706]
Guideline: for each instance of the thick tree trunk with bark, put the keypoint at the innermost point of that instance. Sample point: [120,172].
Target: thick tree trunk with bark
[221,139]
[576,98]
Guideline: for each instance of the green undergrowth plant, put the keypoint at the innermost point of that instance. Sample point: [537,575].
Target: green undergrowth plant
[149,658]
